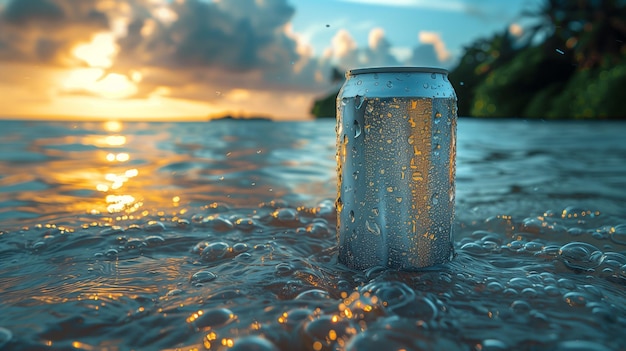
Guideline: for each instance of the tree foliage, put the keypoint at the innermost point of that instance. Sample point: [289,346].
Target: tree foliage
[571,63]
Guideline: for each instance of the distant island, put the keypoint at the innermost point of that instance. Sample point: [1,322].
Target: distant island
[238,118]
[570,64]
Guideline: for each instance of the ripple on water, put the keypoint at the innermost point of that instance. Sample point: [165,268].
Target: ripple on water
[267,279]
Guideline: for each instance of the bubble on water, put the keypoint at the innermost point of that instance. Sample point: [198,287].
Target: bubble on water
[493,345]
[494,287]
[581,256]
[433,76]
[580,345]
[216,251]
[154,240]
[317,229]
[572,212]
[389,84]
[283,269]
[253,343]
[5,336]
[217,223]
[326,332]
[425,85]
[618,234]
[113,230]
[286,216]
[211,319]
[134,244]
[520,306]
[247,224]
[313,294]
[576,231]
[359,82]
[357,129]
[474,249]
[375,341]
[216,207]
[154,226]
[174,292]
[519,283]
[202,277]
[111,254]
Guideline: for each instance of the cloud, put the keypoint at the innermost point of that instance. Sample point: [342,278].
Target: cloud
[217,46]
[45,31]
[435,40]
[443,5]
[345,53]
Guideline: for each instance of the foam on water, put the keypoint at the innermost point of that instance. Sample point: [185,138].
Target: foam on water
[537,266]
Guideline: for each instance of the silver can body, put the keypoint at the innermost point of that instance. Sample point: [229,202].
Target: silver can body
[396,152]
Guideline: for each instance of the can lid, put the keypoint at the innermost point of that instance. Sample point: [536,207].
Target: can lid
[400,69]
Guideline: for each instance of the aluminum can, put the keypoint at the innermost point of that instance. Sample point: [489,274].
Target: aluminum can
[396,151]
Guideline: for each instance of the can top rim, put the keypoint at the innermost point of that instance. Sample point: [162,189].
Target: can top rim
[400,69]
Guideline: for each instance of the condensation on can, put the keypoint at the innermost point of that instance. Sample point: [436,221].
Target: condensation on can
[396,151]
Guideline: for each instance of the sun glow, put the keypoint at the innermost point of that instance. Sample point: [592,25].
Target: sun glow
[94,81]
[99,55]
[99,52]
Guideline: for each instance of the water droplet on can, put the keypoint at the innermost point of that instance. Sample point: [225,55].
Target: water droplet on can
[372,227]
[434,199]
[357,129]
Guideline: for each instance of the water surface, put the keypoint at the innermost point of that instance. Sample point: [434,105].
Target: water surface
[220,235]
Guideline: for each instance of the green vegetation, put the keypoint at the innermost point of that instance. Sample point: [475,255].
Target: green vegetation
[570,63]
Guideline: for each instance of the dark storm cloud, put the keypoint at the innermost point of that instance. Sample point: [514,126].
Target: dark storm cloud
[237,35]
[236,43]
[44,31]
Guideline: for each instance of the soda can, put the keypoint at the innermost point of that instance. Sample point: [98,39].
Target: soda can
[396,151]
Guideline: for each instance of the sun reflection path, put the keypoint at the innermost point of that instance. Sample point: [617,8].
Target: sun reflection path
[113,181]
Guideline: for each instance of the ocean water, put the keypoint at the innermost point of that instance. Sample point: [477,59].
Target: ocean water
[221,236]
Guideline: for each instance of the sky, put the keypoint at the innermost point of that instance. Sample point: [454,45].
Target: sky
[196,59]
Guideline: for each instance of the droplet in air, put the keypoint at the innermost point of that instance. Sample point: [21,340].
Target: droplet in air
[433,76]
[369,108]
[344,101]
[389,84]
[425,85]
[351,216]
